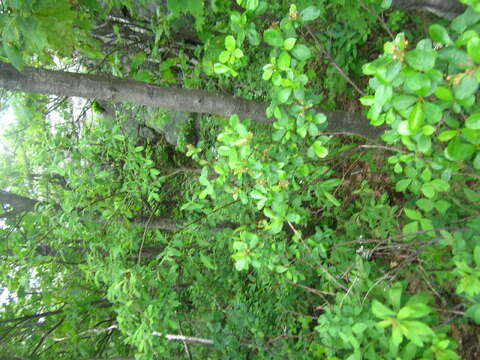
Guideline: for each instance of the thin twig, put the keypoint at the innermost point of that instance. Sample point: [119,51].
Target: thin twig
[335,65]
[382,22]
[319,264]
[145,233]
[185,344]
[388,148]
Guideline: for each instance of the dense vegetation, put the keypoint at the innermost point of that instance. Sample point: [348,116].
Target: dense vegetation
[142,232]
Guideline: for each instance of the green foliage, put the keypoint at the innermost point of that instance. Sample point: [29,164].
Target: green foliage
[267,241]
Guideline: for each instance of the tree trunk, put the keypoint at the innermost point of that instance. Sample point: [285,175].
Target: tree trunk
[443,8]
[176,99]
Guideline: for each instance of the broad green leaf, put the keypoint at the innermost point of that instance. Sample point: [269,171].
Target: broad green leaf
[476,162]
[439,34]
[424,143]
[289,43]
[428,130]
[310,13]
[417,329]
[442,206]
[238,53]
[221,68]
[301,52]
[447,135]
[283,94]
[425,204]
[473,49]
[14,56]
[320,118]
[421,60]
[473,313]
[444,93]
[404,129]
[284,61]
[230,43]
[319,149]
[413,214]
[416,118]
[414,311]
[381,311]
[253,36]
[329,196]
[433,112]
[473,121]
[273,37]
[440,185]
[397,336]
[467,87]
[395,295]
[457,150]
[476,255]
[402,185]
[411,227]
[242,264]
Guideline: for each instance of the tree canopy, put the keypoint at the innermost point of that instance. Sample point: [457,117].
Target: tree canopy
[244,179]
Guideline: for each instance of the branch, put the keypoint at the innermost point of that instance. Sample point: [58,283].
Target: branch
[99,87]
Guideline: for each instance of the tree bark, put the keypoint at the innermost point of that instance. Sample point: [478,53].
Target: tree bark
[443,8]
[176,99]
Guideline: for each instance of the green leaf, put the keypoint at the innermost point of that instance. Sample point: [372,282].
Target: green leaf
[440,185]
[468,86]
[381,311]
[14,56]
[284,61]
[395,295]
[330,197]
[320,118]
[416,331]
[206,262]
[221,68]
[230,43]
[428,130]
[473,49]
[283,95]
[397,336]
[433,111]
[414,311]
[402,185]
[425,204]
[439,34]
[253,36]
[444,93]
[319,149]
[447,135]
[289,43]
[458,150]
[273,37]
[473,121]
[442,206]
[476,162]
[421,60]
[404,128]
[416,118]
[473,313]
[424,143]
[411,227]
[242,264]
[476,255]
[310,13]
[413,214]
[301,52]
